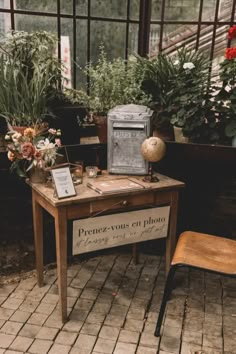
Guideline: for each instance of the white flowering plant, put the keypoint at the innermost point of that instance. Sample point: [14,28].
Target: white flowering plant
[34,147]
[190,97]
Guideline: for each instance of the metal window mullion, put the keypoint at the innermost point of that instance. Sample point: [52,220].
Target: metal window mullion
[163,5]
[214,29]
[59,28]
[127,29]
[74,44]
[199,24]
[88,38]
[12,14]
[144,27]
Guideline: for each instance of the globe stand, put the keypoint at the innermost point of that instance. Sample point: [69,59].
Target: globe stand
[150,178]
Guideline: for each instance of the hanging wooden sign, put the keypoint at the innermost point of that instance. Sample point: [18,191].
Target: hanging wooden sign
[120,229]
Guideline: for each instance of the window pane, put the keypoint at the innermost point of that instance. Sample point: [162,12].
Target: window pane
[183,10]
[67,50]
[134,9]
[111,34]
[81,51]
[156,10]
[109,8]
[221,42]
[154,40]
[31,23]
[5,4]
[133,39]
[66,6]
[36,5]
[5,23]
[81,7]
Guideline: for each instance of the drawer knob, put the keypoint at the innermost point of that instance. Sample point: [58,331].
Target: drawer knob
[125,202]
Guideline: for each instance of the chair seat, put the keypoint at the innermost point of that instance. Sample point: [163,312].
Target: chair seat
[205,251]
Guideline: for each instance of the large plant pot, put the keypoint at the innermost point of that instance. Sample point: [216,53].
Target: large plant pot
[101,124]
[165,133]
[179,137]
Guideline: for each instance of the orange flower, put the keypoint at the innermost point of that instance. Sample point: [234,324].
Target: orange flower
[29,133]
[11,156]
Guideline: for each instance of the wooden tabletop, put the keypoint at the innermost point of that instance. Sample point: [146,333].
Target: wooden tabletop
[85,193]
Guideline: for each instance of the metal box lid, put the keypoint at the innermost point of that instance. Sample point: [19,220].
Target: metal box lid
[131,112]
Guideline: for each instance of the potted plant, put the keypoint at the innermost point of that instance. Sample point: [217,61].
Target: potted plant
[23,102]
[157,83]
[112,83]
[30,76]
[191,97]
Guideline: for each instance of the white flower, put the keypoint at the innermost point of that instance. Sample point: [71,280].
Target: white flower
[189,66]
[16,136]
[176,62]
[45,144]
[48,151]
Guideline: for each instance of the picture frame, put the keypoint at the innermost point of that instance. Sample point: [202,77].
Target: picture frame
[64,186]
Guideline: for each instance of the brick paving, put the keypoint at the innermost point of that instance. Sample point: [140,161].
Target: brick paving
[113,307]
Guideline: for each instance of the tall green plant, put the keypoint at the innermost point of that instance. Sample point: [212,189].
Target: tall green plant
[113,83]
[23,101]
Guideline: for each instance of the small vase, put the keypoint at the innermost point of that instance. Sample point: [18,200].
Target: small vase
[37,175]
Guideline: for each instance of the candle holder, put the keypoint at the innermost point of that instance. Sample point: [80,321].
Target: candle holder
[77,172]
[91,171]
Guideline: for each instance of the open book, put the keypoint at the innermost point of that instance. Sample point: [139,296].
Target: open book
[114,186]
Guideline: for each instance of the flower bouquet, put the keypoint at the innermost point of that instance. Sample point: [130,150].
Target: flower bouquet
[35,148]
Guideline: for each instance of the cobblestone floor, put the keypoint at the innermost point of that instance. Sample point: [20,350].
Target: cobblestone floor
[113,306]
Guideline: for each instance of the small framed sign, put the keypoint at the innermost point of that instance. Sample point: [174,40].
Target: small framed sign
[63,182]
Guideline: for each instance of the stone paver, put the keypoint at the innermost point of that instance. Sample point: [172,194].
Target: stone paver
[40,346]
[6,340]
[113,307]
[21,344]
[85,341]
[20,316]
[11,327]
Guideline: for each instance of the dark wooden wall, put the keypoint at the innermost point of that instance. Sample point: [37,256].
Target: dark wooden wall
[207,204]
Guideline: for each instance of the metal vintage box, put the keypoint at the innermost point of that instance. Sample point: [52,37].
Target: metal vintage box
[128,127]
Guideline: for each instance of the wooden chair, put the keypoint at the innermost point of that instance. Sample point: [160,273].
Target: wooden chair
[202,251]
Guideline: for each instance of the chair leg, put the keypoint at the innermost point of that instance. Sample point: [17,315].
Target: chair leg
[167,292]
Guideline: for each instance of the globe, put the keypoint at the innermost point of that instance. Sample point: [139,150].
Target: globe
[153,149]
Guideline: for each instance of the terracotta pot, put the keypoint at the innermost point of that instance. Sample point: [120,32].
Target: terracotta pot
[19,129]
[179,137]
[166,134]
[101,124]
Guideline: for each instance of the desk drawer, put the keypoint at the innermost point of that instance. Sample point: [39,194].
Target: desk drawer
[130,202]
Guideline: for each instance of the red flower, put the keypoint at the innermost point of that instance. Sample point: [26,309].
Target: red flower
[230,53]
[232,32]
[28,151]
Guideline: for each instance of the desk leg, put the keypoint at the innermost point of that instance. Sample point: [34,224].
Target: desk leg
[171,239]
[135,253]
[61,250]
[38,237]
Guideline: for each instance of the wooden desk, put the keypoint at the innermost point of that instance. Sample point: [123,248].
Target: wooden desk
[88,203]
